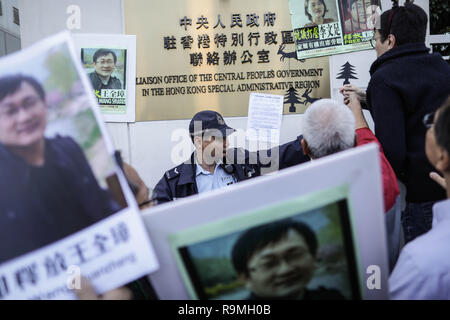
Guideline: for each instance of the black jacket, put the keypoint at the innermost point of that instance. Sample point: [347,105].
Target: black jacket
[180,182]
[40,205]
[407,83]
[97,84]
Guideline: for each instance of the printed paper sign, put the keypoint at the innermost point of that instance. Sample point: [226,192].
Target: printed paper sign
[110,62]
[265,113]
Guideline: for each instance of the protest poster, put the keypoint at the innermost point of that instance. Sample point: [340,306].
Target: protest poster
[341,209]
[110,62]
[328,27]
[66,208]
[265,113]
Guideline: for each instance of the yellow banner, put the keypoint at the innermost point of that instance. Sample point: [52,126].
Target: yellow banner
[194,55]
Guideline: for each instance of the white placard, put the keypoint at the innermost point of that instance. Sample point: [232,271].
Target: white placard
[265,112]
[71,212]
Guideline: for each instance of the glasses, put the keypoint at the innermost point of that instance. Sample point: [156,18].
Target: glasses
[11,111]
[271,264]
[428,120]
[105,62]
[373,41]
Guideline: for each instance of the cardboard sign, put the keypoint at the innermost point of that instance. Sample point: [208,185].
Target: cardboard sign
[66,208]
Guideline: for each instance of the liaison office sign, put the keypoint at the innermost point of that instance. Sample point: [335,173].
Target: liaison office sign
[193,55]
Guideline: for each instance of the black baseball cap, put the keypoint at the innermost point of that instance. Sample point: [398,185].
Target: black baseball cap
[209,120]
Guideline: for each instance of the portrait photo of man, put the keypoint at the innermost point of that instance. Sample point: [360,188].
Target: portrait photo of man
[278,260]
[49,190]
[301,256]
[105,63]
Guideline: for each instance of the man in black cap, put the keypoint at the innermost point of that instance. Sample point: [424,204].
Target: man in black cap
[211,166]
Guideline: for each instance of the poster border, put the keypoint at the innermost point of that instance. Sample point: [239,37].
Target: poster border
[255,217]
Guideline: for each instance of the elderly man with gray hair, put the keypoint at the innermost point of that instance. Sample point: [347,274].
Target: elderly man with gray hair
[330,127]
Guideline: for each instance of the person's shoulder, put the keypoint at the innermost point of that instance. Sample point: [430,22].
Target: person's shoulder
[65,148]
[423,264]
[95,80]
[241,158]
[62,142]
[115,83]
[439,61]
[428,261]
[175,172]
[407,57]
[115,79]
[382,75]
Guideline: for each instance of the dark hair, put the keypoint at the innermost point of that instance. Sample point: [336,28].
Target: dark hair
[11,83]
[325,10]
[259,237]
[407,23]
[104,52]
[442,126]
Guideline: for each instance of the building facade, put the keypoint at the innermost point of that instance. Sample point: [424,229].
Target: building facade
[9,27]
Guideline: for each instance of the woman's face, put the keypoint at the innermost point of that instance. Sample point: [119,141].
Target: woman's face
[316,8]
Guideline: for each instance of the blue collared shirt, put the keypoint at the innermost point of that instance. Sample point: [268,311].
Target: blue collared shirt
[207,181]
[423,268]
